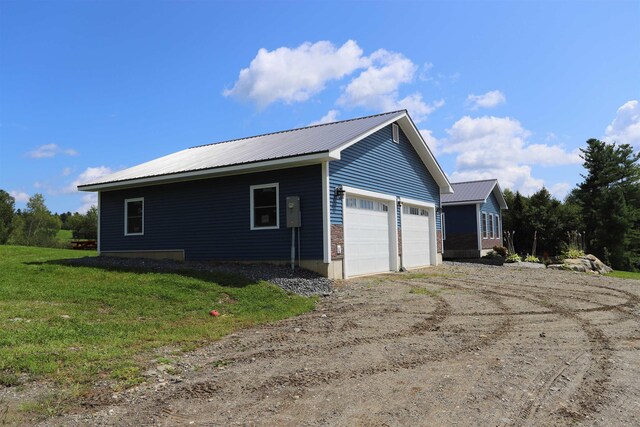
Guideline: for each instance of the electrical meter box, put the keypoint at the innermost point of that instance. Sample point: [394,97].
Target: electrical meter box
[293,211]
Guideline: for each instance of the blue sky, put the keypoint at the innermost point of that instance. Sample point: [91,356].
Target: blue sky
[499,89]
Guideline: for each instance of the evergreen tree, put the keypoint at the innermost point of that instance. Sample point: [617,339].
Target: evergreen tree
[609,198]
[7,212]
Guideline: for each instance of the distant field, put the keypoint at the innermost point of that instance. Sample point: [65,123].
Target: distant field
[625,275]
[64,234]
[75,324]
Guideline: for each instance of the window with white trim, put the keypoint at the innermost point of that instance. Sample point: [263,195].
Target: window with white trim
[134,217]
[492,230]
[483,224]
[265,206]
[371,205]
[396,133]
[413,210]
[497,226]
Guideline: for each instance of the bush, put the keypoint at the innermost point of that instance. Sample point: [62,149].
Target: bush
[572,253]
[500,250]
[492,255]
[531,258]
[513,258]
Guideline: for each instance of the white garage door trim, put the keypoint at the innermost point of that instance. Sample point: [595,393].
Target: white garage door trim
[392,218]
[431,208]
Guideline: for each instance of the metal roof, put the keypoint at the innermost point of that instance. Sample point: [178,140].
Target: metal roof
[290,148]
[473,192]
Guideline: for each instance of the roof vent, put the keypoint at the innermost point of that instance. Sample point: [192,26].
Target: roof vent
[396,133]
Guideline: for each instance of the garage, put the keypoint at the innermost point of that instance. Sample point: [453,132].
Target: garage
[368,236]
[415,236]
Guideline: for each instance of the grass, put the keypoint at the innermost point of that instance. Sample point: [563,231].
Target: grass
[64,235]
[625,274]
[424,291]
[74,325]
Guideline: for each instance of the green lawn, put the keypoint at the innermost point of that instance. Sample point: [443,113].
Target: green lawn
[64,235]
[625,274]
[73,325]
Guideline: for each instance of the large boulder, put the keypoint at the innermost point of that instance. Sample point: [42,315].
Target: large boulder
[585,264]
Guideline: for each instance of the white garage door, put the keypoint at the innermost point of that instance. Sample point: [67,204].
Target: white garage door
[415,236]
[366,245]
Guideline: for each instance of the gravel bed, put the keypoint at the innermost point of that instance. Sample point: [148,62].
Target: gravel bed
[299,281]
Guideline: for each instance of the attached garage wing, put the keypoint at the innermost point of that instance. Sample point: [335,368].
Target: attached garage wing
[415,237]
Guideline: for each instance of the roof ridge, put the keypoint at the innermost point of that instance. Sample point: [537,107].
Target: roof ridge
[479,180]
[297,129]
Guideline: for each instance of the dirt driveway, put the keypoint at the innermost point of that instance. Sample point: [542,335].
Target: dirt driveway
[450,345]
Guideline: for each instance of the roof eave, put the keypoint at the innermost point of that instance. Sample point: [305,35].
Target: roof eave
[239,169]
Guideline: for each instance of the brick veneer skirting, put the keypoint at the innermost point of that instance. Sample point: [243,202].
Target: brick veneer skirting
[337,238]
[490,243]
[439,239]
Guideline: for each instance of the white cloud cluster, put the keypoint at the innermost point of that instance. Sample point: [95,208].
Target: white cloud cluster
[50,150]
[20,196]
[331,116]
[497,147]
[625,127]
[88,200]
[294,75]
[487,100]
[90,174]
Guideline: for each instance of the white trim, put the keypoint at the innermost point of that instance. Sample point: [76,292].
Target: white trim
[326,219]
[126,216]
[479,225]
[343,203]
[417,202]
[251,213]
[213,172]
[395,133]
[98,235]
[401,231]
[443,227]
[369,194]
[484,217]
[336,151]
[467,202]
[491,219]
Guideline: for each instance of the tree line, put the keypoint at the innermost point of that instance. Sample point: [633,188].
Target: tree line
[601,215]
[37,226]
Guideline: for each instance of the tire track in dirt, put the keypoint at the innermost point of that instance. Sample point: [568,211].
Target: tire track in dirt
[590,392]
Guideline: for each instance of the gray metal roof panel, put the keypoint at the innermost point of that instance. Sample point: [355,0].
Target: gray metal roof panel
[290,143]
[470,191]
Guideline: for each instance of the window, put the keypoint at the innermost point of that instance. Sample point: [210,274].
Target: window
[265,207]
[483,224]
[396,133]
[412,210]
[370,205]
[492,230]
[442,226]
[134,217]
[497,226]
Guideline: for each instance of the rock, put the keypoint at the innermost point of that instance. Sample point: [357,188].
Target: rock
[296,330]
[585,264]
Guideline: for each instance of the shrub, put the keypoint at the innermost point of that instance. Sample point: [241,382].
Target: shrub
[513,258]
[500,250]
[572,253]
[531,258]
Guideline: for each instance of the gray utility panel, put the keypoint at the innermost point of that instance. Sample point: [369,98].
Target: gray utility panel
[293,211]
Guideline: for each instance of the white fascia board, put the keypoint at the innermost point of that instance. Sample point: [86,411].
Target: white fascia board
[335,153]
[369,194]
[211,173]
[417,203]
[498,193]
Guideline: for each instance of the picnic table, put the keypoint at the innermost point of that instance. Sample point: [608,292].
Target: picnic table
[84,244]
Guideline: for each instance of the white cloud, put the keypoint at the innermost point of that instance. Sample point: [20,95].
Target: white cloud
[625,127]
[488,100]
[90,174]
[50,150]
[498,147]
[376,88]
[331,116]
[66,171]
[295,75]
[560,189]
[432,141]
[20,196]
[88,200]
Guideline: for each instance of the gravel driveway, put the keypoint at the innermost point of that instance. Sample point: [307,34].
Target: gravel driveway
[450,345]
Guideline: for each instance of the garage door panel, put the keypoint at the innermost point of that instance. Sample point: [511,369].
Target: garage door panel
[366,239]
[415,238]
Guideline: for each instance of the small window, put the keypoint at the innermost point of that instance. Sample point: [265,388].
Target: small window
[483,224]
[366,204]
[264,206]
[396,133]
[497,226]
[134,217]
[412,210]
[492,230]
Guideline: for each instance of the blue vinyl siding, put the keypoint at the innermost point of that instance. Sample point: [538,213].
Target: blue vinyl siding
[460,219]
[378,164]
[210,219]
[491,205]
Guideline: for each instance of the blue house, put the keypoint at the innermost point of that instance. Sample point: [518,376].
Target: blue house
[472,218]
[344,199]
